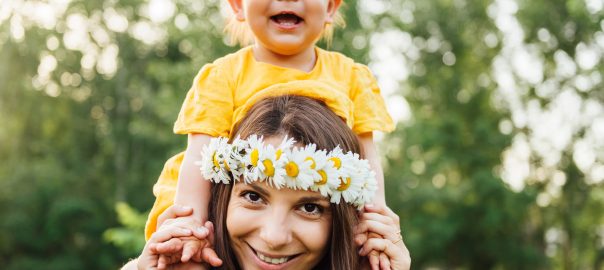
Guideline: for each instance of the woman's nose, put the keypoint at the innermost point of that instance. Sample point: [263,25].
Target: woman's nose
[275,232]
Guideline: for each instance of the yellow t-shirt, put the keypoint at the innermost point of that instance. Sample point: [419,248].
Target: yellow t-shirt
[221,89]
[225,85]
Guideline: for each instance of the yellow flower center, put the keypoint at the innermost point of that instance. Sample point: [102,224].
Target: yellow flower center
[323,175]
[313,164]
[337,163]
[291,169]
[269,169]
[344,184]
[254,157]
[278,154]
[215,159]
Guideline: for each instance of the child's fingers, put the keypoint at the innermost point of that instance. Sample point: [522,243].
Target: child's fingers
[201,233]
[210,226]
[171,246]
[384,262]
[168,233]
[210,256]
[374,209]
[174,211]
[383,210]
[189,249]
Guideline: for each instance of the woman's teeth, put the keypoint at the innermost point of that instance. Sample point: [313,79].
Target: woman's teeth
[272,260]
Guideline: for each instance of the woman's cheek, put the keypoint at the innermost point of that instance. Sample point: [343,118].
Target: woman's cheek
[241,220]
[316,234]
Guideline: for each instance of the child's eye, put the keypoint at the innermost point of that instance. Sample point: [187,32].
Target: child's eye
[311,209]
[252,197]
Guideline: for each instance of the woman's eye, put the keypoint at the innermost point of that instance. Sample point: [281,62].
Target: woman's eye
[311,208]
[252,197]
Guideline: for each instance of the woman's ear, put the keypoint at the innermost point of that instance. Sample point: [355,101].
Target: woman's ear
[237,8]
[332,8]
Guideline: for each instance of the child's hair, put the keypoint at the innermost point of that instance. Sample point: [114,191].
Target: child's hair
[239,32]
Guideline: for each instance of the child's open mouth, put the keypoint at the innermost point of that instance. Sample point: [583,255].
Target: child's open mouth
[286,19]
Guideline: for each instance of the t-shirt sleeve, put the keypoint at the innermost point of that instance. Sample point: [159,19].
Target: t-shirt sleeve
[208,106]
[370,112]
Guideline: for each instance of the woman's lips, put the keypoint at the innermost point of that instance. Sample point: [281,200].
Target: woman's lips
[276,262]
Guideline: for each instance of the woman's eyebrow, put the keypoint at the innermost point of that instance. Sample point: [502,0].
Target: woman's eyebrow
[259,189]
[313,199]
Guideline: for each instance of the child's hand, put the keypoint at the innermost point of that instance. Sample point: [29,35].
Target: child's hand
[388,240]
[197,246]
[182,248]
[149,258]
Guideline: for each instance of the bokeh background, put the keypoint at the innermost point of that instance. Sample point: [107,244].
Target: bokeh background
[497,161]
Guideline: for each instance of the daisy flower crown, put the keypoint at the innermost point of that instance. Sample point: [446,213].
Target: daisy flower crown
[335,174]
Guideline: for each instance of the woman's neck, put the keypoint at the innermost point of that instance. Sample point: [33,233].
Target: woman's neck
[304,60]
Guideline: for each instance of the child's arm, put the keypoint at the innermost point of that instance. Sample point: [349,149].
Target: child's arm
[192,190]
[371,154]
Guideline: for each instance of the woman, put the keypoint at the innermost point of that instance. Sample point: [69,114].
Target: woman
[259,226]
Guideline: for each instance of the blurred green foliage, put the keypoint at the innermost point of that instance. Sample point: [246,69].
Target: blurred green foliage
[83,137]
[128,237]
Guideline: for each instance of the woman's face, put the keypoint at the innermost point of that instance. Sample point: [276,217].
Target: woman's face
[277,229]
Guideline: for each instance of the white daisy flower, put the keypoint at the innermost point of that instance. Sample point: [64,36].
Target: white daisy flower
[369,184]
[328,174]
[350,182]
[335,174]
[285,145]
[213,164]
[299,174]
[274,171]
[236,158]
[253,165]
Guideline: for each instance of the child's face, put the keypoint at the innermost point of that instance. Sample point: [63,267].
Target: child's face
[286,27]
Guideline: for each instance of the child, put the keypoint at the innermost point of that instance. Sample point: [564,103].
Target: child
[284,34]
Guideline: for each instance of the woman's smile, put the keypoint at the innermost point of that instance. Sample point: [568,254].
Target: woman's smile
[272,261]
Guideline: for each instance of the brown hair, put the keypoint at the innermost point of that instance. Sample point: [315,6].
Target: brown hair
[307,121]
